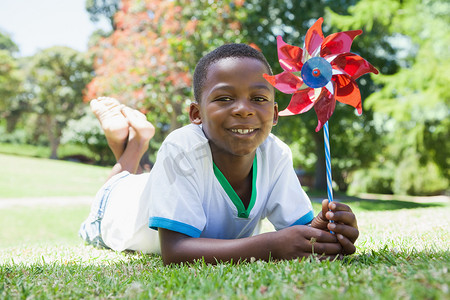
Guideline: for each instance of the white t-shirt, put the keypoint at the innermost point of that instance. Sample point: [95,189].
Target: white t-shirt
[188,194]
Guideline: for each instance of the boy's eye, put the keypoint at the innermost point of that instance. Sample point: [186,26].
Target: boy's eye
[224,99]
[259,99]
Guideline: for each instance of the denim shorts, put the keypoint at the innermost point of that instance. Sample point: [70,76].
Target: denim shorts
[90,230]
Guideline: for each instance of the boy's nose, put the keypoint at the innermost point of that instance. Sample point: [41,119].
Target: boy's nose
[243,108]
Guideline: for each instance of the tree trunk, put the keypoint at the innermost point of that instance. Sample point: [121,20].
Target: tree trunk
[11,121]
[54,136]
[54,144]
[320,182]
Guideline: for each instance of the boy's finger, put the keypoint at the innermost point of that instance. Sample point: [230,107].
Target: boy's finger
[338,206]
[344,217]
[320,236]
[347,246]
[324,207]
[326,248]
[350,232]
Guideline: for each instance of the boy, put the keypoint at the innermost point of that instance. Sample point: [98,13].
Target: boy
[215,179]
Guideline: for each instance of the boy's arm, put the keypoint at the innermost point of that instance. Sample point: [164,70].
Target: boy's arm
[344,224]
[292,242]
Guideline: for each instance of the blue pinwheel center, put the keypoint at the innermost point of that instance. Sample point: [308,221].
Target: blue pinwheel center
[316,72]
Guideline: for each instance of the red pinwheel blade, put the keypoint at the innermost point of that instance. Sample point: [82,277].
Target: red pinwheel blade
[324,107]
[340,85]
[285,82]
[290,57]
[338,42]
[347,91]
[314,36]
[300,103]
[353,64]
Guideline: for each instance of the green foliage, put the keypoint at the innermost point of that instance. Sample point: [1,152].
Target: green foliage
[147,61]
[11,78]
[18,136]
[406,40]
[413,178]
[58,77]
[372,180]
[411,109]
[86,131]
[102,8]
[208,26]
[6,43]
[262,22]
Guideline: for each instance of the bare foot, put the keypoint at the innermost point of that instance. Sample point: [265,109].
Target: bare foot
[140,129]
[114,124]
[140,133]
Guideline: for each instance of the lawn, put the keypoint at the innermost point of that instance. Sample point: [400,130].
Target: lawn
[402,253]
[38,177]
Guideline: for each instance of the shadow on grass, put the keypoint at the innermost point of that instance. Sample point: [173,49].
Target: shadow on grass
[376,204]
[371,204]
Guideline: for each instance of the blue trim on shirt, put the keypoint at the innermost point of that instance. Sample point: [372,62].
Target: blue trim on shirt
[158,222]
[307,218]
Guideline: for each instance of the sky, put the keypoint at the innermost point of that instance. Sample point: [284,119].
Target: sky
[39,24]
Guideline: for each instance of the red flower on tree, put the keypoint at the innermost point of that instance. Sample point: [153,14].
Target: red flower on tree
[320,73]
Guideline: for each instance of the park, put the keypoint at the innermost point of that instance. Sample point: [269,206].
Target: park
[390,164]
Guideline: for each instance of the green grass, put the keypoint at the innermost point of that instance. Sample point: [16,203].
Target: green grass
[37,177]
[41,226]
[402,252]
[378,275]
[43,151]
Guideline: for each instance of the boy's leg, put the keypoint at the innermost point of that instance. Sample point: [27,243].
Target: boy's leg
[141,132]
[114,125]
[118,218]
[127,131]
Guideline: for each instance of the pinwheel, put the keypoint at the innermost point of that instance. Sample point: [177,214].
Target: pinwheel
[317,75]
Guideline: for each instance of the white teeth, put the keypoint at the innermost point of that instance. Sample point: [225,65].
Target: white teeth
[242,131]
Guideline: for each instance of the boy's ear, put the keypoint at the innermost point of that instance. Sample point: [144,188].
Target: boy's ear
[275,113]
[194,113]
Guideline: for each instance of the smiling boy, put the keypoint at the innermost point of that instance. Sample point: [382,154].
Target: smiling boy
[217,178]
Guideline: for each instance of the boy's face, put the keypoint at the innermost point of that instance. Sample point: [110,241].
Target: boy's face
[237,107]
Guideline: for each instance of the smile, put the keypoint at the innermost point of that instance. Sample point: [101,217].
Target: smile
[242,131]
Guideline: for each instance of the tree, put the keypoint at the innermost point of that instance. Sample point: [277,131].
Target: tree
[134,64]
[262,22]
[148,60]
[103,8]
[411,109]
[11,78]
[58,77]
[168,38]
[6,43]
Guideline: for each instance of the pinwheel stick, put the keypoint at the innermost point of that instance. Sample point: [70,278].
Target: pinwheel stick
[326,139]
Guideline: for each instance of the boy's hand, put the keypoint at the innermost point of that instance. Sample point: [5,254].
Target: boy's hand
[302,241]
[345,226]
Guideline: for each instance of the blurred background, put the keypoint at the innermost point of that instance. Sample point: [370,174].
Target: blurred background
[143,52]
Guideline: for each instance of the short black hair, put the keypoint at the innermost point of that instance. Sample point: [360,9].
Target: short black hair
[222,52]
